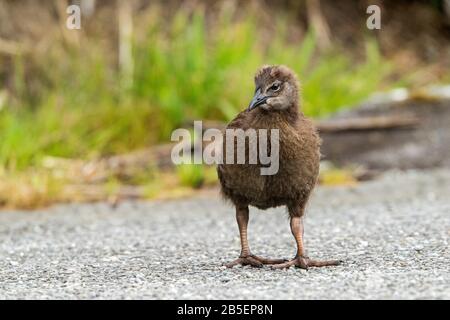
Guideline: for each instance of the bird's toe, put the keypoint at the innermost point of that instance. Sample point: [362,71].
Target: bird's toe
[306,263]
[245,261]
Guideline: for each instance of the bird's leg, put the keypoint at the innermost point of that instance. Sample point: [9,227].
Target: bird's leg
[246,258]
[301,260]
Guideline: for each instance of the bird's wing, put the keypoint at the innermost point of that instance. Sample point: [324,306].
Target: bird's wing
[239,122]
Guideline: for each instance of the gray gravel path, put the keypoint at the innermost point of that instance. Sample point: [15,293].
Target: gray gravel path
[393,234]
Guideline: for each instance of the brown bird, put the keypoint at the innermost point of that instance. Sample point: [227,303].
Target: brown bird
[275,105]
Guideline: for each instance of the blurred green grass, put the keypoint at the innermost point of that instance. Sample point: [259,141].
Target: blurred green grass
[183,71]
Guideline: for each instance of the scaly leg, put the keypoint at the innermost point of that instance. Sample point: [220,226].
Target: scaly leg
[246,258]
[301,260]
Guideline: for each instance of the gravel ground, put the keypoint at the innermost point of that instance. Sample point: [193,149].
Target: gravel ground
[392,233]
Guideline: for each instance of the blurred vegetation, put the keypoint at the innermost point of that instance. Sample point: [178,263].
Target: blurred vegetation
[185,68]
[182,73]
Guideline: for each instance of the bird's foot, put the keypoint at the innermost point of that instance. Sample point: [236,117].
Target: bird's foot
[305,263]
[254,261]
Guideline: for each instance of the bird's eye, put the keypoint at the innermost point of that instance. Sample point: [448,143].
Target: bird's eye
[275,87]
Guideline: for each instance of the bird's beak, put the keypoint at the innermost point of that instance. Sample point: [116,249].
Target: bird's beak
[257,100]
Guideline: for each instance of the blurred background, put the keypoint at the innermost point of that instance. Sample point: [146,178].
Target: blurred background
[87,114]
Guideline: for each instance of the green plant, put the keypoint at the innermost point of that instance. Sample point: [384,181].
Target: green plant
[191,175]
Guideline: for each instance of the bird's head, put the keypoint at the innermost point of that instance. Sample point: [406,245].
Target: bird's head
[276,88]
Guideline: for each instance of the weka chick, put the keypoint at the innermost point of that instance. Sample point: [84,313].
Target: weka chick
[275,106]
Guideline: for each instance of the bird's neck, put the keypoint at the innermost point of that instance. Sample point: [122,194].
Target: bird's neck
[289,115]
[292,114]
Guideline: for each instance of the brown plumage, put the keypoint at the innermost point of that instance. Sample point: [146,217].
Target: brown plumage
[275,106]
